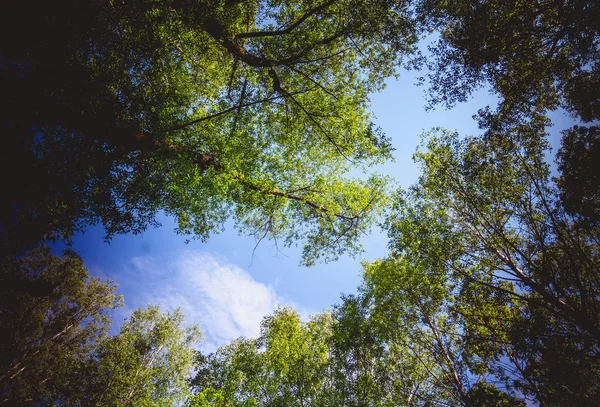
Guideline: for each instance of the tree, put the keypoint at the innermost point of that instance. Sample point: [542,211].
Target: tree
[285,366]
[369,367]
[55,348]
[51,315]
[202,109]
[536,55]
[579,184]
[425,313]
[486,217]
[333,359]
[148,363]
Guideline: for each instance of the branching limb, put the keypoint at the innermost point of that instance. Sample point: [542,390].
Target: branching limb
[294,197]
[237,106]
[291,27]
[313,81]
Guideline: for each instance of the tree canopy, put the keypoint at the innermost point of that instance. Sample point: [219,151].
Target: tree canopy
[487,227]
[258,111]
[55,347]
[206,110]
[51,315]
[536,55]
[489,296]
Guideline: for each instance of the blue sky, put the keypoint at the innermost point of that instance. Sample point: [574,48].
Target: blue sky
[227,287]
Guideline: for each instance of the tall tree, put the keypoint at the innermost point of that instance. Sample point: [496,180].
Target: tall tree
[55,348]
[203,109]
[285,366]
[333,359]
[435,321]
[369,367]
[486,215]
[51,315]
[536,55]
[148,363]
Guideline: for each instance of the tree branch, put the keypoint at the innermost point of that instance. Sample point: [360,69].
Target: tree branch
[237,106]
[218,31]
[289,29]
[288,195]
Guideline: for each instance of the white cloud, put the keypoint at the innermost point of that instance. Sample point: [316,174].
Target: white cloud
[225,300]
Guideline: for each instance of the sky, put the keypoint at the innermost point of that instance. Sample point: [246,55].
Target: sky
[226,285]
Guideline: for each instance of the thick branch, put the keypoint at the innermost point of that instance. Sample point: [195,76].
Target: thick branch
[219,32]
[289,29]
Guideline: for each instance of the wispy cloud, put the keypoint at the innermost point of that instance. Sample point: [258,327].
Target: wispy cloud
[225,300]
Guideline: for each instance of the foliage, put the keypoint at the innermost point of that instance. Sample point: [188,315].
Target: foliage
[418,309]
[55,348]
[488,297]
[579,183]
[51,315]
[285,366]
[148,363]
[486,221]
[340,358]
[370,368]
[257,111]
[536,55]
[205,109]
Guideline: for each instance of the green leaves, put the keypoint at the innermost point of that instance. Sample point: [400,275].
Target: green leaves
[483,251]
[147,364]
[209,110]
[284,366]
[536,55]
[55,347]
[52,314]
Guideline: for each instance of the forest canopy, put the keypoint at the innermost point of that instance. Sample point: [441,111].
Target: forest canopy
[203,109]
[259,112]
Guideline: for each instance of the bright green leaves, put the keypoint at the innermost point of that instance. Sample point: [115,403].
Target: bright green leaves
[287,125]
[148,363]
[210,110]
[285,366]
[413,308]
[483,253]
[366,368]
[391,345]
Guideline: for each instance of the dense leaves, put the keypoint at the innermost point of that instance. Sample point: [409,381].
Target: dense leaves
[148,363]
[579,182]
[55,348]
[51,315]
[203,109]
[333,359]
[257,111]
[489,296]
[285,366]
[536,55]
[350,357]
[486,221]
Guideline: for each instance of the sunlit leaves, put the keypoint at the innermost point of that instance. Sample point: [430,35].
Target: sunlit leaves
[210,110]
